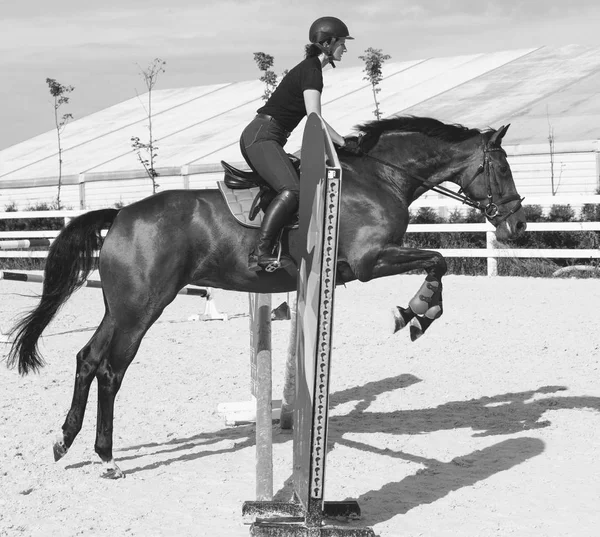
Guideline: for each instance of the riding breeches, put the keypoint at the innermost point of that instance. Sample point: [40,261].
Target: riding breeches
[262,144]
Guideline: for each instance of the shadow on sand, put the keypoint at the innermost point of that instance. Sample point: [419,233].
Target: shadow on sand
[504,414]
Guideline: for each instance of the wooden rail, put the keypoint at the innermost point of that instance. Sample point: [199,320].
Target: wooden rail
[492,252]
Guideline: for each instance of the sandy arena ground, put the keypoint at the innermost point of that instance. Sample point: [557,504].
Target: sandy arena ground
[487,426]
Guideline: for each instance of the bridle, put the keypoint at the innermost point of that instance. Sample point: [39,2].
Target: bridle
[491,209]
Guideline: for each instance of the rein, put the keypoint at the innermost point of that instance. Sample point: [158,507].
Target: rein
[490,210]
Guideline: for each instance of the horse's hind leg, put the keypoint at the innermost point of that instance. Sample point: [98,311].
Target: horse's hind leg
[88,360]
[110,375]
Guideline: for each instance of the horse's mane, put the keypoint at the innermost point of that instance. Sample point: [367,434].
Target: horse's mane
[424,125]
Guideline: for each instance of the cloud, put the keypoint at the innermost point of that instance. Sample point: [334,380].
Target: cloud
[486,13]
[220,26]
[205,42]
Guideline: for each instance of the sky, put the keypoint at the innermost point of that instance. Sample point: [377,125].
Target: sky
[100,47]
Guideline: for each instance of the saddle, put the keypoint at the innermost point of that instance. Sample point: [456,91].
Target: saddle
[248,195]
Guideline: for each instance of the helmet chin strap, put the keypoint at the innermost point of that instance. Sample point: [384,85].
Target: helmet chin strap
[326,49]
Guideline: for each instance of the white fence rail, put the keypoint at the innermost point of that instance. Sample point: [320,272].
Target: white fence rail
[492,252]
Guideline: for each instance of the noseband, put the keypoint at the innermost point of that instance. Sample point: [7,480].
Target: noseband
[490,209]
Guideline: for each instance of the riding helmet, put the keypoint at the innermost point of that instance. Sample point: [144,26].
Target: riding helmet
[327,27]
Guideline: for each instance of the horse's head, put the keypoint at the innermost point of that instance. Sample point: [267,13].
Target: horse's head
[419,149]
[493,188]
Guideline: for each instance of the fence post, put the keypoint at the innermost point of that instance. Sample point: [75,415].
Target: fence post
[491,244]
[81,192]
[185,175]
[597,168]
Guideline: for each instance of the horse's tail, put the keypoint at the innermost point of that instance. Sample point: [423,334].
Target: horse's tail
[70,261]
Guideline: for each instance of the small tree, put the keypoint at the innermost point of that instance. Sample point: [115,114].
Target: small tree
[147,152]
[265,62]
[60,95]
[561,213]
[374,60]
[590,212]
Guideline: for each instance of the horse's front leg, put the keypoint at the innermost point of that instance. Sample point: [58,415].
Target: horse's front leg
[424,308]
[426,305]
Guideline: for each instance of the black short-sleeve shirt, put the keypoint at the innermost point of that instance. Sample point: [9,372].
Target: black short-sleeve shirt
[286,104]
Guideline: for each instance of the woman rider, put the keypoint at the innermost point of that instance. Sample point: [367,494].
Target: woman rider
[262,141]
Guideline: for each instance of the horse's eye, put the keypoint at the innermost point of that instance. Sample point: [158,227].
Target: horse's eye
[504,168]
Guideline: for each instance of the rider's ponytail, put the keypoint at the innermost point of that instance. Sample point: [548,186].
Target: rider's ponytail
[311,50]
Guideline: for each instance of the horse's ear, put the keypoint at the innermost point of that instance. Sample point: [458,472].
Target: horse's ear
[496,138]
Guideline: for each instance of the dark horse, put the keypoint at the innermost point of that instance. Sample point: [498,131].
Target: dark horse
[156,246]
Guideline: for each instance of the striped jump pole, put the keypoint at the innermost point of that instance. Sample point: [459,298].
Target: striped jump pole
[36,278]
[25,243]
[210,312]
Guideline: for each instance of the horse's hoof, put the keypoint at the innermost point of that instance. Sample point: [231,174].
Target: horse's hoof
[281,312]
[416,330]
[400,318]
[418,326]
[112,473]
[60,450]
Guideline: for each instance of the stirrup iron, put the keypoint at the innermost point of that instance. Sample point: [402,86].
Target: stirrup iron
[276,265]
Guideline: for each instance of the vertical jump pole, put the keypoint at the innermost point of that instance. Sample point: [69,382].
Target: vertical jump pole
[262,388]
[286,417]
[319,209]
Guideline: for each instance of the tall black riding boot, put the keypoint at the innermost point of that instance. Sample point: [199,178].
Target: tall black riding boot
[279,212]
